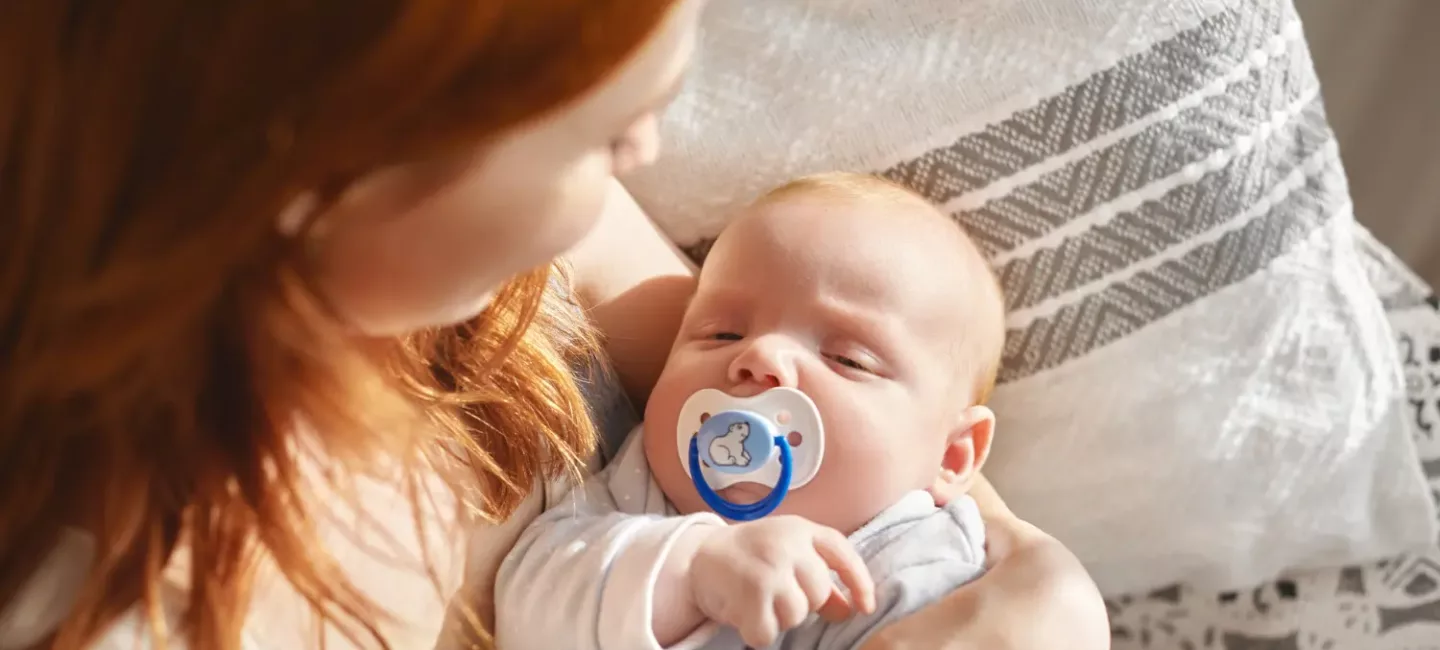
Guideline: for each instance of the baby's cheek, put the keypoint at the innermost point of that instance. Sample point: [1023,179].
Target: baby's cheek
[663,458]
[867,469]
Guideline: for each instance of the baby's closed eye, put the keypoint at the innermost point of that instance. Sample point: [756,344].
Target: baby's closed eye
[852,362]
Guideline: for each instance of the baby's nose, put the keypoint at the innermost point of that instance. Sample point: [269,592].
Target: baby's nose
[767,379]
[768,363]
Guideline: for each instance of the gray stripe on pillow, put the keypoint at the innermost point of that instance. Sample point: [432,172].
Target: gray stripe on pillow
[1182,213]
[1118,310]
[1136,87]
[1154,154]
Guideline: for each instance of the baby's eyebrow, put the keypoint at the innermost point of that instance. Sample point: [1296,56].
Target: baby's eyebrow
[873,327]
[723,297]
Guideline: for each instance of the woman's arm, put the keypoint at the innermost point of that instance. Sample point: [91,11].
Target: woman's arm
[635,284]
[1035,596]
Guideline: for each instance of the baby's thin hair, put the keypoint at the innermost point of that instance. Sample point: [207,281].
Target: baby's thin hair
[846,185]
[853,186]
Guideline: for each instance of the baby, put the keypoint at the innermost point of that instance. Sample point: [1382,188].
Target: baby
[878,308]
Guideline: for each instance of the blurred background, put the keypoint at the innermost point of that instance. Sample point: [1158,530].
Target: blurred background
[1379,66]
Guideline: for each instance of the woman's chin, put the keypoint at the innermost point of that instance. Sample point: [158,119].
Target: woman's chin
[463,311]
[380,323]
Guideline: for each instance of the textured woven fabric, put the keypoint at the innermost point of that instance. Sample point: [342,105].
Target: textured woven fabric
[1198,382]
[1390,604]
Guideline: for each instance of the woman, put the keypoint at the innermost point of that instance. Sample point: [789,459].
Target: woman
[247,248]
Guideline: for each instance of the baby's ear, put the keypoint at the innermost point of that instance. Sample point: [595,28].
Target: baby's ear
[966,448]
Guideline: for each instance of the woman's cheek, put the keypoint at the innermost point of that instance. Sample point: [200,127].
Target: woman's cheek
[563,213]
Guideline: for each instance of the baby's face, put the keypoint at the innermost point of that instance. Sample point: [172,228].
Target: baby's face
[864,313]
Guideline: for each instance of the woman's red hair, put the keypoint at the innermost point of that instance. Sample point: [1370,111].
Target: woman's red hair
[158,338]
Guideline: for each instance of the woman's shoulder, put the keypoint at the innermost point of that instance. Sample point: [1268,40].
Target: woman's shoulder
[40,606]
[410,571]
[43,603]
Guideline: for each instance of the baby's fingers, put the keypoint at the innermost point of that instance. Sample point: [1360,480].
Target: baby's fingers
[821,593]
[842,558]
[836,607]
[759,630]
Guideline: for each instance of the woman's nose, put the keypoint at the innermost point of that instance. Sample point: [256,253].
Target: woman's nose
[766,361]
[647,140]
[643,146]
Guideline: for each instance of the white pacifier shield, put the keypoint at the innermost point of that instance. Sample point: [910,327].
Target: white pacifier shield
[791,413]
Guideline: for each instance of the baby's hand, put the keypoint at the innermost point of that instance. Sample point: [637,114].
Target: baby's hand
[766,576]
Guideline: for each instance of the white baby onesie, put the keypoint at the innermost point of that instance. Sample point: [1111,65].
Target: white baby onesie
[583,574]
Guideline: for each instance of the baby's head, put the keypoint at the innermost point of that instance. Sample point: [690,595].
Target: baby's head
[868,299]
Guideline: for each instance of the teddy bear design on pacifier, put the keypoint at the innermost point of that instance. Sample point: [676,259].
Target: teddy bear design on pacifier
[774,439]
[729,448]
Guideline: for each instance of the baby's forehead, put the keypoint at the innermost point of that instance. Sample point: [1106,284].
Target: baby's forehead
[895,251]
[886,248]
[900,237]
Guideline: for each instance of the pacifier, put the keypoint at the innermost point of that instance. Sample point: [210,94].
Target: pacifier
[774,439]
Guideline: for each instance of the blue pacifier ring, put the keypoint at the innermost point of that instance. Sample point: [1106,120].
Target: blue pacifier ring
[735,511]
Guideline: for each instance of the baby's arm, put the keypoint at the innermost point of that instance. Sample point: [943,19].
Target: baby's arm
[586,574]
[676,615]
[592,577]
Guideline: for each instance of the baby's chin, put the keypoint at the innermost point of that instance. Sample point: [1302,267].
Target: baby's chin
[744,494]
[688,502]
[740,494]
[809,505]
